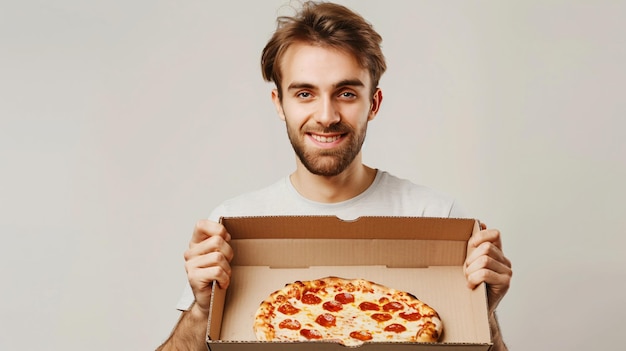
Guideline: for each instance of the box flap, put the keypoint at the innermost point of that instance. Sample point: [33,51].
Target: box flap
[303,241]
[331,227]
[216,311]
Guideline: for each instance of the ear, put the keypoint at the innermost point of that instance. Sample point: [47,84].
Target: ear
[278,104]
[377,100]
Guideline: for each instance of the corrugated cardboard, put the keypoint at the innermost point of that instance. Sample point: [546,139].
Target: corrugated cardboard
[423,256]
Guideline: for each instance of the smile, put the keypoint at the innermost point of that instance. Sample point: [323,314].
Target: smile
[326,139]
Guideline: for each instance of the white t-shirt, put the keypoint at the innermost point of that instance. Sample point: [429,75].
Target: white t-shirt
[387,196]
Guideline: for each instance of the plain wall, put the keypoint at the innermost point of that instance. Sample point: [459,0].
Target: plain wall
[125,122]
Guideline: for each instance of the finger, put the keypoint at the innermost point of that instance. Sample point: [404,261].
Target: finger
[489,263]
[483,225]
[488,269]
[495,280]
[201,270]
[200,279]
[486,249]
[213,259]
[209,245]
[206,229]
[487,235]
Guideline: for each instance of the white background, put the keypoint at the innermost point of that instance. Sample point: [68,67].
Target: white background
[124,122]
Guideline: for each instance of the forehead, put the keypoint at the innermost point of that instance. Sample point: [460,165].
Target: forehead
[320,66]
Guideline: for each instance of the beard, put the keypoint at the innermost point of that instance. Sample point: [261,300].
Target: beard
[327,162]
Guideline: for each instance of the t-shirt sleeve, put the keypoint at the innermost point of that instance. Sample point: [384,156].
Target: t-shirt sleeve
[186,300]
[217,213]
[457,211]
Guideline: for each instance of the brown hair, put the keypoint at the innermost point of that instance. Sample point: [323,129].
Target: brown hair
[325,24]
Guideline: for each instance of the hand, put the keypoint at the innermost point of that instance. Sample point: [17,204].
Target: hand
[486,262]
[208,260]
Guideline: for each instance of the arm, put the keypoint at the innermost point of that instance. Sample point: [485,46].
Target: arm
[496,336]
[207,260]
[189,333]
[486,263]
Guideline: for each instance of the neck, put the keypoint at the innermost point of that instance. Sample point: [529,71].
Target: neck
[351,182]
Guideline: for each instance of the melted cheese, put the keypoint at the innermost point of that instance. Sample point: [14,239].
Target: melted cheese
[351,319]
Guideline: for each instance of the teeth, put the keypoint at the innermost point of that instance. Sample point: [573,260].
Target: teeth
[323,139]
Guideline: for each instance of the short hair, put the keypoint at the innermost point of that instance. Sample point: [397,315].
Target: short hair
[325,24]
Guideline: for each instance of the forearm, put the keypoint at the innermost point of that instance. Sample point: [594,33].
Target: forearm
[190,332]
[496,336]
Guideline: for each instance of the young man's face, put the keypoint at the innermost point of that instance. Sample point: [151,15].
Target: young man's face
[326,103]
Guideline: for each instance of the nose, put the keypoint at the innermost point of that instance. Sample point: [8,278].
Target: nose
[328,113]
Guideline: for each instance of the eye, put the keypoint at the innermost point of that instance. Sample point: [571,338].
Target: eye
[347,95]
[304,95]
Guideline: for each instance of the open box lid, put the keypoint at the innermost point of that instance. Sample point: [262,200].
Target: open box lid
[265,245]
[331,227]
[407,241]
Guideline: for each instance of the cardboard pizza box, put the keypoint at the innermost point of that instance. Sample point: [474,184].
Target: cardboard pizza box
[423,256]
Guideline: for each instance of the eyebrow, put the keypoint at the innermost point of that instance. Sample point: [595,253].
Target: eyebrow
[349,83]
[343,83]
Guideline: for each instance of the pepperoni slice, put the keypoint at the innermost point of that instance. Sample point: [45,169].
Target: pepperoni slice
[361,335]
[310,334]
[325,320]
[393,306]
[311,299]
[381,317]
[412,316]
[332,306]
[344,298]
[289,324]
[369,306]
[395,327]
[288,309]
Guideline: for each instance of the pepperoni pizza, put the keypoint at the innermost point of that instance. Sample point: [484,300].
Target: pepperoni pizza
[347,311]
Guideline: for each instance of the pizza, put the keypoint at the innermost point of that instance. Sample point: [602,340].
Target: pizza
[348,311]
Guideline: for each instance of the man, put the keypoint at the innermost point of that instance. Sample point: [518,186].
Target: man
[326,63]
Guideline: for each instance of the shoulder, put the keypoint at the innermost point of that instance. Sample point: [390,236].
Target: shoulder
[391,183]
[423,200]
[253,203]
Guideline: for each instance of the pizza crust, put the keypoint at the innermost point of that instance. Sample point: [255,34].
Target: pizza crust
[349,311]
